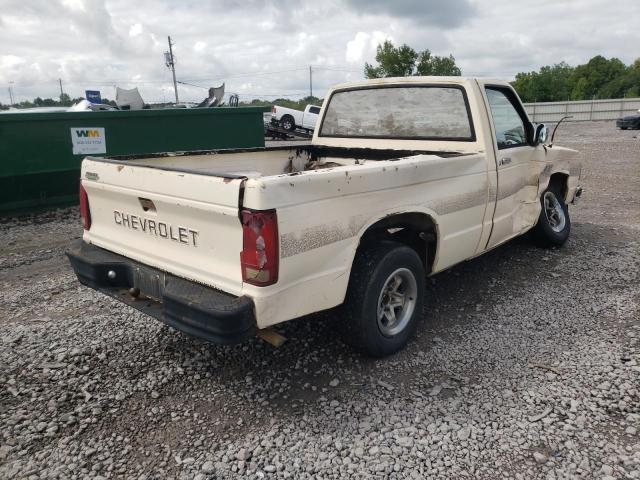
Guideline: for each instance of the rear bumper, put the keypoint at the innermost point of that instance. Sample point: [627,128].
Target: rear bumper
[190,307]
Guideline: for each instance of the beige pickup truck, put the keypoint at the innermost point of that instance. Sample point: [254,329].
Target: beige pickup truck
[404,178]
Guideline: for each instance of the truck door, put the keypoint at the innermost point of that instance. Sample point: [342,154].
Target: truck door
[517,190]
[310,117]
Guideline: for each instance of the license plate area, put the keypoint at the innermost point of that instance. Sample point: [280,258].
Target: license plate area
[150,282]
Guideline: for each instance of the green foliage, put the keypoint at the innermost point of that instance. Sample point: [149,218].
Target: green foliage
[404,61]
[64,101]
[438,66]
[551,82]
[598,78]
[285,102]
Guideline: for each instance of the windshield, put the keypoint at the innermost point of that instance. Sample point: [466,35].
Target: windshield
[412,112]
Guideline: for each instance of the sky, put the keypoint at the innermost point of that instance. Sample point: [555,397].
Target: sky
[263,49]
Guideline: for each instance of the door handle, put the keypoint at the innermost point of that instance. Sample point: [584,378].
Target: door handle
[504,161]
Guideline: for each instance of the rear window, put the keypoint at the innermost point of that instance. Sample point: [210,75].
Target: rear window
[315,110]
[412,112]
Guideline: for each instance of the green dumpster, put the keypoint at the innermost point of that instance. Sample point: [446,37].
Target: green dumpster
[40,153]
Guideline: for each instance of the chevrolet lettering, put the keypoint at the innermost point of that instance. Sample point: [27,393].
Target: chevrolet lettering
[184,235]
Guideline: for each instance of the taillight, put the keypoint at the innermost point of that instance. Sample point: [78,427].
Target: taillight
[273,109]
[85,213]
[259,258]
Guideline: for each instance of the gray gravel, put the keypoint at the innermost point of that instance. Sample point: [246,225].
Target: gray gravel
[527,365]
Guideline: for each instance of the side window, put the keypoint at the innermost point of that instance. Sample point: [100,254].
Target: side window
[507,122]
[315,110]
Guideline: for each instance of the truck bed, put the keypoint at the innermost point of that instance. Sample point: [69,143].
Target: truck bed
[265,162]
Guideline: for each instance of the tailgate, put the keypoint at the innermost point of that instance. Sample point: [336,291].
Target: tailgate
[181,222]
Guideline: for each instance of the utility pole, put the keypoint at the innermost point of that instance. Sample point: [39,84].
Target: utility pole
[11,93]
[170,61]
[310,81]
[61,91]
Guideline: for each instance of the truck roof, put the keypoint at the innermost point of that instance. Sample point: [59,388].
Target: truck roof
[411,80]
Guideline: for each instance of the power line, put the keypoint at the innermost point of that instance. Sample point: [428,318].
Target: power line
[299,92]
[191,84]
[111,82]
[252,75]
[245,94]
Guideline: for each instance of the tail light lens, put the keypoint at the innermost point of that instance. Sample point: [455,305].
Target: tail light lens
[273,109]
[259,258]
[85,213]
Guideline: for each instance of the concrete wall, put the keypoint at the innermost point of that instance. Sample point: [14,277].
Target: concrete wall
[583,110]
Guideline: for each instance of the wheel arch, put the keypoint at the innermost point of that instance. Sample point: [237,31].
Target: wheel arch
[415,227]
[561,180]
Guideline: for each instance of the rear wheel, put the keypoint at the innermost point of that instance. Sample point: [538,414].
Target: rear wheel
[288,123]
[554,224]
[384,299]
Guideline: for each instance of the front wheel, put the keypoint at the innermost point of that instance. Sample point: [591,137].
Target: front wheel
[554,224]
[384,299]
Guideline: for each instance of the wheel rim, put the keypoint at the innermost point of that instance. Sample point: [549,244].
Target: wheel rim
[396,302]
[554,212]
[287,125]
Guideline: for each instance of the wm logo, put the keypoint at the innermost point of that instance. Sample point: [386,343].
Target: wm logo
[87,133]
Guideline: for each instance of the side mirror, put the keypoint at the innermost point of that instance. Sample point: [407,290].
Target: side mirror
[540,134]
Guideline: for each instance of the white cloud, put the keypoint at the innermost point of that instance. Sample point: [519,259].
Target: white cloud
[75,5]
[301,45]
[135,30]
[363,47]
[10,61]
[356,47]
[96,44]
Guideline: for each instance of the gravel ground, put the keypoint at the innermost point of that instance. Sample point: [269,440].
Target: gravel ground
[526,365]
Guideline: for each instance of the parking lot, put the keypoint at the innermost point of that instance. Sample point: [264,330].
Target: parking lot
[526,365]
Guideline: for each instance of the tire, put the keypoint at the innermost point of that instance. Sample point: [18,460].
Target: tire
[374,273]
[554,224]
[288,123]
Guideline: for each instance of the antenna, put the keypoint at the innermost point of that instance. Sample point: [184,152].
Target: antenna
[170,62]
[553,135]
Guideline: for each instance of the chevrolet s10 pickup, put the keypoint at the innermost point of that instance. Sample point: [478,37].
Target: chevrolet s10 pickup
[404,178]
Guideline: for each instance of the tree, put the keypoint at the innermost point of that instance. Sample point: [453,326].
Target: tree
[550,84]
[65,100]
[439,66]
[404,61]
[285,102]
[598,78]
[595,75]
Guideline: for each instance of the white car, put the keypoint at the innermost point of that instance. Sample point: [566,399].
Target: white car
[290,119]
[404,178]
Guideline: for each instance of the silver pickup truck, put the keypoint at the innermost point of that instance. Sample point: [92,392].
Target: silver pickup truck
[404,178]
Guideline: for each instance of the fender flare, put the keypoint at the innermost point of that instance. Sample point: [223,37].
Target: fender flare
[392,212]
